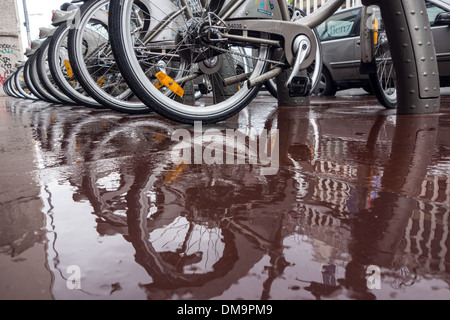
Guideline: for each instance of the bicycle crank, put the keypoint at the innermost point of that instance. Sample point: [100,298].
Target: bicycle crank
[299,86]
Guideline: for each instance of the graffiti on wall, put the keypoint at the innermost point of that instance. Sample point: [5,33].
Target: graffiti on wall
[6,65]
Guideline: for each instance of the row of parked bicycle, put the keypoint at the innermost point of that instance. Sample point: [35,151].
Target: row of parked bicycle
[188,60]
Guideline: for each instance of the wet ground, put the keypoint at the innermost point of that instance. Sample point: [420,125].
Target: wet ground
[94,206]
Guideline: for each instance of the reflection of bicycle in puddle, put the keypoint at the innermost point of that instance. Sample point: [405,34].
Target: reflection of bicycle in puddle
[191,226]
[199,229]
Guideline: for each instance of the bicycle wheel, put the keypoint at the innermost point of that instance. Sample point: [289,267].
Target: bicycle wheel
[61,69]
[32,80]
[383,82]
[44,74]
[19,81]
[28,82]
[7,88]
[163,55]
[13,88]
[93,63]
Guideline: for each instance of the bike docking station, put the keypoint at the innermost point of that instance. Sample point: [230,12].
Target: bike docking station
[286,97]
[408,28]
[297,94]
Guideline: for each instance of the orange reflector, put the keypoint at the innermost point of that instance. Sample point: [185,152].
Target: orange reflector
[375,31]
[169,83]
[68,68]
[100,82]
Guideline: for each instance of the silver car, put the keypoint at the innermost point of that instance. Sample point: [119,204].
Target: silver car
[342,54]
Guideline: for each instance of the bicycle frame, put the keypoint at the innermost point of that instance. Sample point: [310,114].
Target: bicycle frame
[244,16]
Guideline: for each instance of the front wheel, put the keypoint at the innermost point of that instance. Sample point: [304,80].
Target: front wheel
[384,81]
[165,57]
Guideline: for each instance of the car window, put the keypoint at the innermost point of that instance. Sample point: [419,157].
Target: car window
[340,25]
[433,10]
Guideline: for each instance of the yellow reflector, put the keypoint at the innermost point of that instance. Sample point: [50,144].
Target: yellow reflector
[175,174]
[68,68]
[169,83]
[375,31]
[100,82]
[158,85]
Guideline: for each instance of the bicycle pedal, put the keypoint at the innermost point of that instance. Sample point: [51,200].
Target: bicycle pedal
[300,87]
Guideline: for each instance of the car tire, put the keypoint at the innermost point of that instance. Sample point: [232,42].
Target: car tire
[326,85]
[368,89]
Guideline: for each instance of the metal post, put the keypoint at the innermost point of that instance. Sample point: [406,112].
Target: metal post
[27,22]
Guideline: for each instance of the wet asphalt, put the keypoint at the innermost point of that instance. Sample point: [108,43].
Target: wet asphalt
[340,199]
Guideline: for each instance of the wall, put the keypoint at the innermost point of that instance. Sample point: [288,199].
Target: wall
[10,41]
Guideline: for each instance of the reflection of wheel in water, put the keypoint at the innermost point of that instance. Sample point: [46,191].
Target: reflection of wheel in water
[185,243]
[106,185]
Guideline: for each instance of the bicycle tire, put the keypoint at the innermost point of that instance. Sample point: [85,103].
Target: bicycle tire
[90,85]
[54,54]
[29,83]
[19,80]
[8,89]
[43,74]
[33,78]
[13,88]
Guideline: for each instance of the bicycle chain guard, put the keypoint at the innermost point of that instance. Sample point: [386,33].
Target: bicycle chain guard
[288,30]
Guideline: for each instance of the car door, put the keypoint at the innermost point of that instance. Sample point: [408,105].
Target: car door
[441,35]
[340,36]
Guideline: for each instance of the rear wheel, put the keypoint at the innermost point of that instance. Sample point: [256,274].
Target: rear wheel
[44,74]
[33,79]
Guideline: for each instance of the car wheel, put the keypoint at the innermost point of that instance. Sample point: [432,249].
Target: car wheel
[326,86]
[368,89]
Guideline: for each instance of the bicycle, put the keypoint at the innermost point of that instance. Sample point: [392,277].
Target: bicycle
[95,68]
[162,48]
